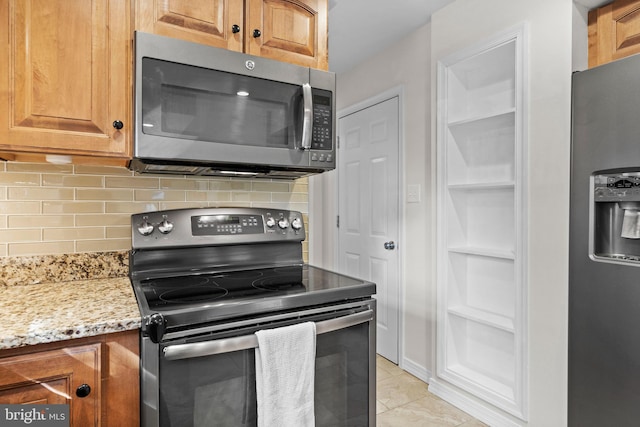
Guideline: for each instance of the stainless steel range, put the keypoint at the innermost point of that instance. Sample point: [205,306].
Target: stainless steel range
[206,280]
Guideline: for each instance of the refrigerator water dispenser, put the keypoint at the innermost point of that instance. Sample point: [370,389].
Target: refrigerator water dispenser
[615,216]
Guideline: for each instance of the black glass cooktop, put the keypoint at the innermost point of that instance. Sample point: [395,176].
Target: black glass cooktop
[219,288]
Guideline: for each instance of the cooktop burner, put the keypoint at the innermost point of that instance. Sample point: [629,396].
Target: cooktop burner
[203,288]
[190,294]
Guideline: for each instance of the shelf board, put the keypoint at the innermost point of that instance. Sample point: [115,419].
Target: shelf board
[485,252]
[485,69]
[482,186]
[487,318]
[491,119]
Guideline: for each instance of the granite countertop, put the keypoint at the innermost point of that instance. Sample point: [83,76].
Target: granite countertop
[83,304]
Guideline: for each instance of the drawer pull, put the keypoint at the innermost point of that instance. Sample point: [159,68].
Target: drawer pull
[83,390]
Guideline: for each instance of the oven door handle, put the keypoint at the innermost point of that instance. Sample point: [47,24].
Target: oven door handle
[245,342]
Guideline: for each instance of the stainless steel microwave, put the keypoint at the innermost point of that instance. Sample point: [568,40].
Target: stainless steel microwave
[201,110]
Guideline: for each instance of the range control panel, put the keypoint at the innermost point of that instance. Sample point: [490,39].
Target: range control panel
[210,225]
[214,226]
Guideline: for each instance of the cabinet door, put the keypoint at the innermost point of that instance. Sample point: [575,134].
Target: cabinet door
[213,22]
[121,388]
[52,377]
[293,31]
[614,31]
[65,77]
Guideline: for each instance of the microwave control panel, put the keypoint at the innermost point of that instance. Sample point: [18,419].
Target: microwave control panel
[322,135]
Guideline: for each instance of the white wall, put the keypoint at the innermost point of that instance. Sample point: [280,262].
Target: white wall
[406,64]
[464,23]
[580,58]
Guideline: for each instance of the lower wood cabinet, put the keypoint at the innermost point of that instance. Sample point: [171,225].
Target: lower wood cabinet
[97,377]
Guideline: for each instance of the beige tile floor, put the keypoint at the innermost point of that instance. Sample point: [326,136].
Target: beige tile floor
[403,400]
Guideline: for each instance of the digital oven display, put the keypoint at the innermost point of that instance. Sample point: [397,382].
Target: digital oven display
[213,225]
[219,219]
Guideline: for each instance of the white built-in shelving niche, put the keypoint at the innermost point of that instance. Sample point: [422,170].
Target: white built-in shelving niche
[481,150]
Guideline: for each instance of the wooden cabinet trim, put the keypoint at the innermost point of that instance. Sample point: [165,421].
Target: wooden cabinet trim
[621,8]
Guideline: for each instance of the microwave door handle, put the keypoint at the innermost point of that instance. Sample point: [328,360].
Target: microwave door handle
[246,342]
[307,120]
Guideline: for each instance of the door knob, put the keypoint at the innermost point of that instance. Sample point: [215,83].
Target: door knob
[389,245]
[83,390]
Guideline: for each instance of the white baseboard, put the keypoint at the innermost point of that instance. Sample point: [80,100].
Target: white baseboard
[416,370]
[478,409]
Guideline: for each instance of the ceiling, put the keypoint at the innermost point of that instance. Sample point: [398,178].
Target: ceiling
[360,28]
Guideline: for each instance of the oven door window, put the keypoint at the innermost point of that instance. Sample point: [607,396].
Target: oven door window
[220,389]
[187,102]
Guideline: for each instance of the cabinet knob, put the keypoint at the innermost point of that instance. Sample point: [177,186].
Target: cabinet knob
[83,390]
[118,124]
[235,28]
[256,33]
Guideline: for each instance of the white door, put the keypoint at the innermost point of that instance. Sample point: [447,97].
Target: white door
[369,210]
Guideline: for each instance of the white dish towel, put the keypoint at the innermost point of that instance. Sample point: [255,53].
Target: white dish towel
[285,371]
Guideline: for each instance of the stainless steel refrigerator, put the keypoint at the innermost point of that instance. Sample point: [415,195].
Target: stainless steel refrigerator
[604,249]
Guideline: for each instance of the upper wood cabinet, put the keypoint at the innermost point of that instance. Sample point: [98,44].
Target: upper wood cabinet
[614,31]
[201,21]
[288,30]
[65,77]
[293,31]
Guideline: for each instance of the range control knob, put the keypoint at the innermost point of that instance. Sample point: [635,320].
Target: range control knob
[166,226]
[296,224]
[271,222]
[145,227]
[283,223]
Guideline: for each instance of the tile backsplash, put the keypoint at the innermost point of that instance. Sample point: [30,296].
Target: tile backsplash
[61,209]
